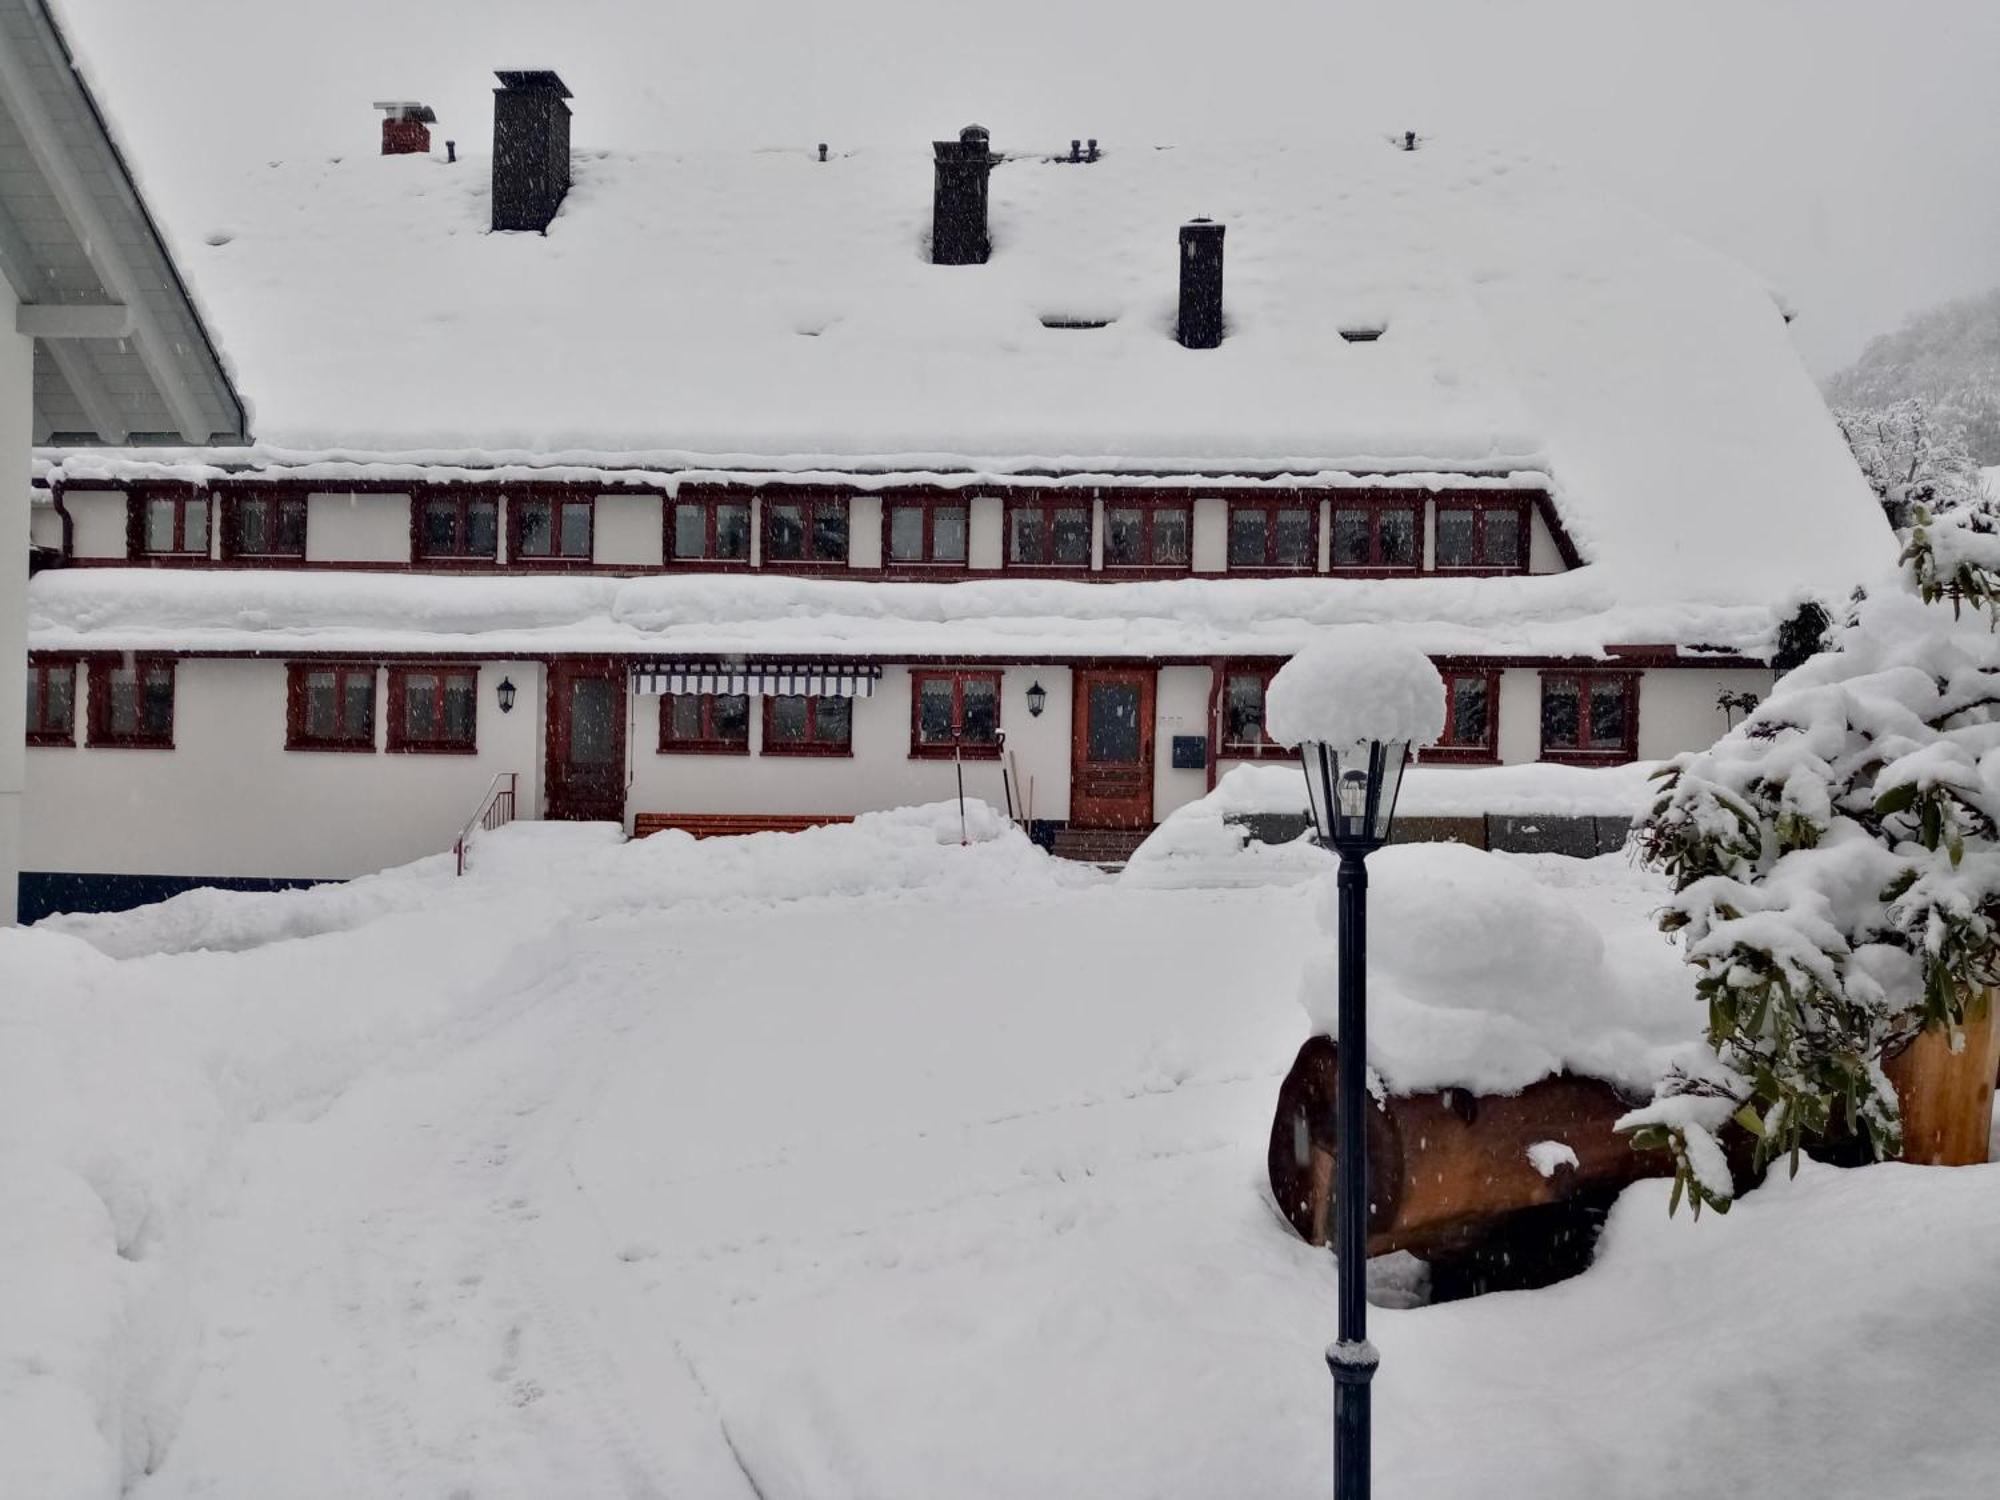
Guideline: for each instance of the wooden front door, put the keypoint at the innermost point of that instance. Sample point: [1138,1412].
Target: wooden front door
[1111,751]
[586,770]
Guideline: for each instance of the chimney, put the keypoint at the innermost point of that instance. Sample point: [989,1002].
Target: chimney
[958,203]
[1201,284]
[530,149]
[405,127]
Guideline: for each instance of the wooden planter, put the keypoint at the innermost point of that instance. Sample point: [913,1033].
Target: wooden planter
[1947,1097]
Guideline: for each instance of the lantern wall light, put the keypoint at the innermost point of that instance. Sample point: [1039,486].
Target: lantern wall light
[1038,698]
[506,695]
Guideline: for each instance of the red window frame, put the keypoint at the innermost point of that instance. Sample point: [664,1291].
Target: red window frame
[299,733]
[1375,508]
[811,506]
[1263,747]
[1268,507]
[462,500]
[710,504]
[560,504]
[708,741]
[1045,534]
[1481,508]
[1150,511]
[927,506]
[1452,749]
[813,743]
[103,734]
[41,669]
[403,741]
[957,747]
[286,506]
[1588,749]
[186,500]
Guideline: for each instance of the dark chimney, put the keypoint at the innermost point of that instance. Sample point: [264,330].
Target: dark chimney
[530,149]
[822,150]
[405,127]
[1076,149]
[1201,284]
[958,202]
[1091,153]
[451,150]
[1409,140]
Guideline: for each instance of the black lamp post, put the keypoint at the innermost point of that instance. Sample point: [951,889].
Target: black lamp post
[1352,789]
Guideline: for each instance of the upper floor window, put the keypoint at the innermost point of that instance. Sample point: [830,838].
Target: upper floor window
[805,530]
[1242,728]
[259,525]
[714,530]
[171,525]
[551,527]
[51,700]
[1279,535]
[434,710]
[924,532]
[704,724]
[1147,536]
[1048,534]
[955,713]
[1377,535]
[330,707]
[1491,536]
[132,703]
[795,724]
[1471,716]
[458,526]
[1590,716]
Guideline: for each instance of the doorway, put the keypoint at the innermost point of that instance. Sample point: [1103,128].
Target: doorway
[586,740]
[1111,752]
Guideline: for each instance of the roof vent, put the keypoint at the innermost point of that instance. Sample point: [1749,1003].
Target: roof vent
[1366,333]
[1201,284]
[530,150]
[1080,151]
[958,201]
[405,127]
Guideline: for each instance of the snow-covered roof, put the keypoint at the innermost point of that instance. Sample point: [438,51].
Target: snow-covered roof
[762,309]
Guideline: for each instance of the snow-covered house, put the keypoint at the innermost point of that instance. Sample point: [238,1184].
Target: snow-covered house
[778,485]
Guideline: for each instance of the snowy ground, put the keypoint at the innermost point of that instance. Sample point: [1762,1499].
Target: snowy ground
[854,1164]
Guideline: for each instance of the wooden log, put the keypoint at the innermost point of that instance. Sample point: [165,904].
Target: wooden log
[1947,1097]
[1443,1167]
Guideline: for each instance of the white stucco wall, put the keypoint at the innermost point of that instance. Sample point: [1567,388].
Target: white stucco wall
[1542,554]
[628,531]
[1180,706]
[1677,708]
[97,519]
[17,405]
[44,525]
[1209,545]
[986,532]
[864,531]
[230,800]
[343,527]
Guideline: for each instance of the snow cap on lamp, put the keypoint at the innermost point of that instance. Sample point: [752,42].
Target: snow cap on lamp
[1356,685]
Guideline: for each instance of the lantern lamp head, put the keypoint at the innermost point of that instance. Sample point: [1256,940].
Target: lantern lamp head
[1352,790]
[506,692]
[1038,698]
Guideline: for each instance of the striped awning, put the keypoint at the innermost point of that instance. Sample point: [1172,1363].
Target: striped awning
[767,679]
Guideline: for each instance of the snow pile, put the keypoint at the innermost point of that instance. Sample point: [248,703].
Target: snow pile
[1357,685]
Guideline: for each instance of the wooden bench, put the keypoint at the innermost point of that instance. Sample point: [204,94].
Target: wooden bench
[726,825]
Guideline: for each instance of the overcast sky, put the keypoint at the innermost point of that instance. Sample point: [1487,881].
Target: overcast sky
[1848,149]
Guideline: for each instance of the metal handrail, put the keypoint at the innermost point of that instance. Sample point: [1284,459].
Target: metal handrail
[495,809]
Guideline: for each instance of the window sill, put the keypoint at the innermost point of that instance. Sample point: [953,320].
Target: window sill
[448,560]
[1255,752]
[827,752]
[416,749]
[1479,570]
[98,742]
[332,746]
[1458,755]
[1270,570]
[794,565]
[1589,757]
[52,741]
[263,559]
[954,752]
[1370,570]
[707,747]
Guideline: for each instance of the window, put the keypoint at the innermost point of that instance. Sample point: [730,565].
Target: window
[804,531]
[1484,535]
[458,526]
[132,703]
[1471,717]
[704,724]
[51,701]
[330,707]
[798,725]
[551,528]
[954,714]
[434,710]
[1377,536]
[924,532]
[1279,536]
[1146,536]
[170,525]
[709,531]
[1590,716]
[264,526]
[1048,534]
[1243,733]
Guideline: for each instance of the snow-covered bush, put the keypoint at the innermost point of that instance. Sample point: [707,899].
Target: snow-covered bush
[1836,867]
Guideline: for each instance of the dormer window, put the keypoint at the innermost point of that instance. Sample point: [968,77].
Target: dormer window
[805,531]
[1274,536]
[458,526]
[1485,536]
[1377,536]
[552,528]
[1048,534]
[170,523]
[924,532]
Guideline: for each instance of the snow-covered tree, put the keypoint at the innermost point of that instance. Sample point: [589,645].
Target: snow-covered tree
[1836,867]
[1949,355]
[1911,456]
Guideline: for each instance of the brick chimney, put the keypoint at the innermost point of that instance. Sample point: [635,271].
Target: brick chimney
[405,127]
[530,149]
[958,202]
[1201,284]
